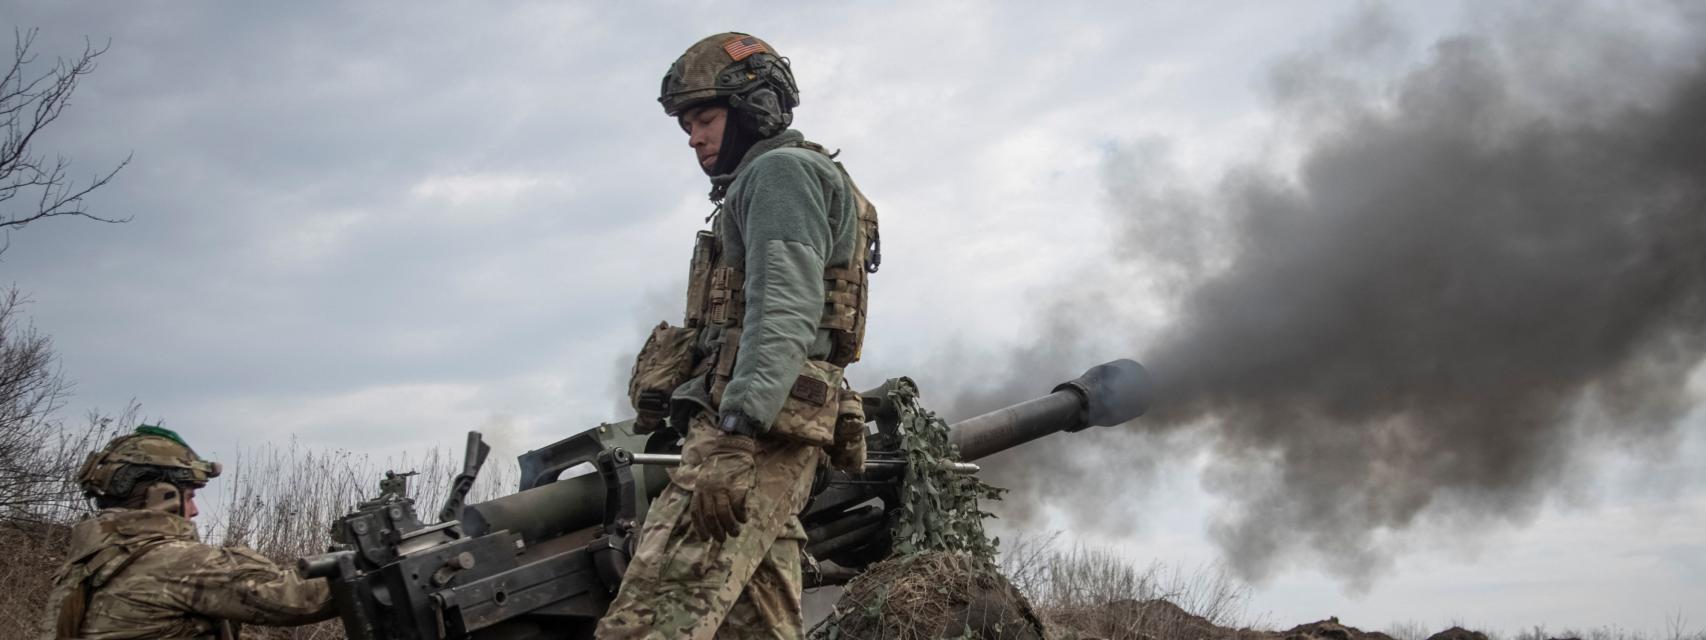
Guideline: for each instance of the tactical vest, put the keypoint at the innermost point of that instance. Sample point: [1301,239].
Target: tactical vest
[716,294]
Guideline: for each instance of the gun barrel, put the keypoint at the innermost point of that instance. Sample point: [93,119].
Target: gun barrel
[671,460]
[323,565]
[1106,395]
[549,510]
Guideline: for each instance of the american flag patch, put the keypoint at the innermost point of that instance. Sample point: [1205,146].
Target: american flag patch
[740,48]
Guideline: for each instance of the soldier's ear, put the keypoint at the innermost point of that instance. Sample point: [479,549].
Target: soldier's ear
[163,496]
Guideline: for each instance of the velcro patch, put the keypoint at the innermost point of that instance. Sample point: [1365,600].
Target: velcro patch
[811,390]
[740,48]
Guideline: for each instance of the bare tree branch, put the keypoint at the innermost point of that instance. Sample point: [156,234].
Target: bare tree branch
[31,390]
[28,105]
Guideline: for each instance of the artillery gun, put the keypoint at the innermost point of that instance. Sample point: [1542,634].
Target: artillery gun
[546,561]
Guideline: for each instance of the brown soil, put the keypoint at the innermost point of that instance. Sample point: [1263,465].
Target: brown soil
[943,595]
[1136,620]
[1330,629]
[1458,633]
[1161,620]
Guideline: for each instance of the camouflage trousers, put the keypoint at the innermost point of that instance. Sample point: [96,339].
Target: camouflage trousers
[680,585]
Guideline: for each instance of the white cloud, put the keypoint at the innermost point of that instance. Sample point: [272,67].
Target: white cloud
[450,193]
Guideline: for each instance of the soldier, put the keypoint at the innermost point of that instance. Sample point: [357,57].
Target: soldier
[775,310]
[137,570]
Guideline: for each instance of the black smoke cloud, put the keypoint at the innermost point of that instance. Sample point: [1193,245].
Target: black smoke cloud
[1474,270]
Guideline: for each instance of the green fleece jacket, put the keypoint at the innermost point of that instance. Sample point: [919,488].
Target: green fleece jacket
[788,213]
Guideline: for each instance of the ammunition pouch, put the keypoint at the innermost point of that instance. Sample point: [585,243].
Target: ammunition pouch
[665,362]
[809,412]
[847,453]
[844,312]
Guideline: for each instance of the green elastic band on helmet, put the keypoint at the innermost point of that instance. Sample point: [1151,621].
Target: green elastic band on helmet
[157,430]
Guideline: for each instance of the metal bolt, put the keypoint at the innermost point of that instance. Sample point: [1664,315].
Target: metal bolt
[464,560]
[442,576]
[359,527]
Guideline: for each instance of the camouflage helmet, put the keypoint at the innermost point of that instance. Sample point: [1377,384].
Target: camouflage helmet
[149,455]
[743,69]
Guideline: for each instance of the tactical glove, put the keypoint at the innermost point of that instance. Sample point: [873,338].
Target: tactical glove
[719,493]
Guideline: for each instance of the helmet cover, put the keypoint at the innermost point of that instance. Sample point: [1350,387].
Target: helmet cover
[742,69]
[150,454]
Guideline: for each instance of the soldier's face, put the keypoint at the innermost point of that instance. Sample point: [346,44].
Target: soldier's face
[704,128]
[190,509]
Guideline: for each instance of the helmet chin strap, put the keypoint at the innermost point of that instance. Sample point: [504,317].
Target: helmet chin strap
[164,496]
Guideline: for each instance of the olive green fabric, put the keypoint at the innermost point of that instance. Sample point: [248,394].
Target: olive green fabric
[787,214]
[684,585]
[147,576]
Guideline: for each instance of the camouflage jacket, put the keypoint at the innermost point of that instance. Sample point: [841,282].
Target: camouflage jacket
[133,573]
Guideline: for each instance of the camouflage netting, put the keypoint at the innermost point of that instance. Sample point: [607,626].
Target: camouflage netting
[941,581]
[935,594]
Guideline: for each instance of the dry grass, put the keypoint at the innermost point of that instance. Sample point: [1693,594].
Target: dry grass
[32,553]
[1081,592]
[278,500]
[1407,630]
[1676,628]
[281,500]
[41,502]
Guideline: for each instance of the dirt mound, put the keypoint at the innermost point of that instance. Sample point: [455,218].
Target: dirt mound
[1330,629]
[1458,633]
[931,595]
[1162,620]
[1137,620]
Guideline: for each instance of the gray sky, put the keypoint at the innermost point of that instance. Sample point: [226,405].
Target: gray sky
[375,227]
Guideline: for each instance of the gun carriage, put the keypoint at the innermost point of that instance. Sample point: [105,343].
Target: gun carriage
[546,561]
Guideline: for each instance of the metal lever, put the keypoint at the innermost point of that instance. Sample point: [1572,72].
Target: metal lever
[473,457]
